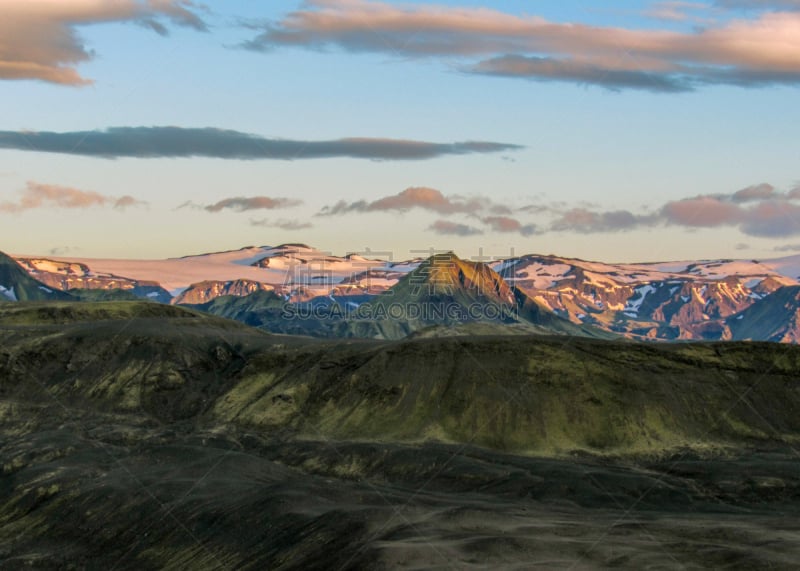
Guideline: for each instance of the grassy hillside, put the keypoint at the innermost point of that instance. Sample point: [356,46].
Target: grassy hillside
[103,295]
[529,394]
[72,312]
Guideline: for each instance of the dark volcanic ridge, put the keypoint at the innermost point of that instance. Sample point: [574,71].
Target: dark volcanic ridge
[522,393]
[137,435]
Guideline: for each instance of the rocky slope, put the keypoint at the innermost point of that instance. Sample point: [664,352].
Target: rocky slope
[206,291]
[682,301]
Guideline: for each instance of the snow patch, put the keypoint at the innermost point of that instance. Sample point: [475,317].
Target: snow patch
[634,304]
[8,292]
[503,266]
[700,295]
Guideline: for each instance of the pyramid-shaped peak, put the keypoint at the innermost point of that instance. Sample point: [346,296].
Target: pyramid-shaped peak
[445,274]
[450,263]
[449,255]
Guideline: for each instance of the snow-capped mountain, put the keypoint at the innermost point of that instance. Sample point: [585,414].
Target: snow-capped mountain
[72,275]
[205,291]
[286,265]
[681,300]
[669,300]
[17,285]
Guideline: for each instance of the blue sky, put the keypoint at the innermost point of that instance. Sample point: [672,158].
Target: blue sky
[589,150]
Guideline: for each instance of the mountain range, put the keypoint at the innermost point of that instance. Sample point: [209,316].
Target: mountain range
[148,435]
[689,300]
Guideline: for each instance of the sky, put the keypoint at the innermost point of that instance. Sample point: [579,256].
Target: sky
[642,131]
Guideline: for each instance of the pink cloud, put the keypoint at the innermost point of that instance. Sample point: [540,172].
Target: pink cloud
[754,192]
[39,38]
[417,197]
[759,51]
[38,195]
[422,197]
[772,218]
[507,224]
[127,201]
[701,211]
[587,221]
[758,210]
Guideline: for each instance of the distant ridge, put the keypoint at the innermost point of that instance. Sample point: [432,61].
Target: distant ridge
[294,245]
[189,256]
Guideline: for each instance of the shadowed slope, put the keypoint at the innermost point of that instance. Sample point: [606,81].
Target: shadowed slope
[773,318]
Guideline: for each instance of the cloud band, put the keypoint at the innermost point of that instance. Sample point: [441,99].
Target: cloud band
[177,142]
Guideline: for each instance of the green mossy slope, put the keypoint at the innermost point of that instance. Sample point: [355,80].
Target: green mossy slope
[529,394]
